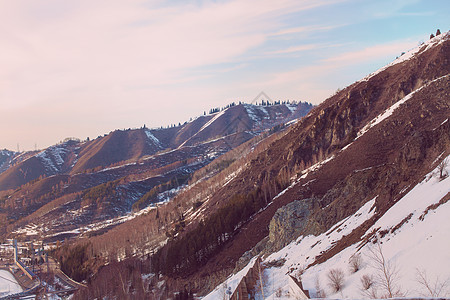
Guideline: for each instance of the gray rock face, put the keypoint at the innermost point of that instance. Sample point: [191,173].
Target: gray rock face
[288,222]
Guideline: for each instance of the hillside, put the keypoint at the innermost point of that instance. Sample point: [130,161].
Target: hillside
[335,124]
[382,158]
[407,235]
[357,154]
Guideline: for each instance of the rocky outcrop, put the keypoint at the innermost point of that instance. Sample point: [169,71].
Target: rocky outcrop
[288,223]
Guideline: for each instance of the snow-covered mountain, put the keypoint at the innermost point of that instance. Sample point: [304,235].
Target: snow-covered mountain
[380,228]
[363,172]
[75,183]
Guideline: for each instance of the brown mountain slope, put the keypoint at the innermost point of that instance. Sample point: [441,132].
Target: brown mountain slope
[21,173]
[116,147]
[382,161]
[397,152]
[132,160]
[335,124]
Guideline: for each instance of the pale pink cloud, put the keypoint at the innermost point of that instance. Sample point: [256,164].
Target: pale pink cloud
[89,65]
[118,43]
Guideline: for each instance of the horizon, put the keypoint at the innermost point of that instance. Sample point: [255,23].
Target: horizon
[83,69]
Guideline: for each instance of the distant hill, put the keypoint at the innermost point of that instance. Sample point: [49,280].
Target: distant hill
[108,175]
[235,125]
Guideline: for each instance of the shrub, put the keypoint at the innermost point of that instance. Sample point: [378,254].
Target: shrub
[336,279]
[367,281]
[355,262]
[279,293]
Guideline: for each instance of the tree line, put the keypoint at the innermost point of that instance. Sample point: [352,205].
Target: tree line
[184,255]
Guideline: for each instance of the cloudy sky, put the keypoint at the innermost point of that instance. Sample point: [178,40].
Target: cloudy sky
[81,68]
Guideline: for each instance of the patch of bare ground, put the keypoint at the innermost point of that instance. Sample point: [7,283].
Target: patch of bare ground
[345,241]
[444,200]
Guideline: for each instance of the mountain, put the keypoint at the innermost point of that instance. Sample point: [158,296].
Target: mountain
[125,170]
[370,155]
[358,185]
[350,174]
[234,125]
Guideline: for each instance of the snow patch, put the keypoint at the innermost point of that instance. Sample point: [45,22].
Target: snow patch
[152,138]
[8,284]
[52,157]
[291,107]
[212,120]
[231,176]
[252,112]
[315,167]
[291,122]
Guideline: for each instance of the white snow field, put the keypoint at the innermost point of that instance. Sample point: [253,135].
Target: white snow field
[420,245]
[8,284]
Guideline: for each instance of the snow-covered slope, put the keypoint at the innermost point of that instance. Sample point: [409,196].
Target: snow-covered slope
[413,236]
[8,284]
[54,158]
[152,139]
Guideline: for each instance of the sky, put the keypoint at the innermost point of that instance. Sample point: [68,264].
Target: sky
[84,68]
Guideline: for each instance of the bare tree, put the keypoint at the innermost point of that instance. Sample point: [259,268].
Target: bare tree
[442,169]
[336,279]
[355,262]
[299,272]
[387,276]
[436,288]
[262,280]
[320,293]
[223,291]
